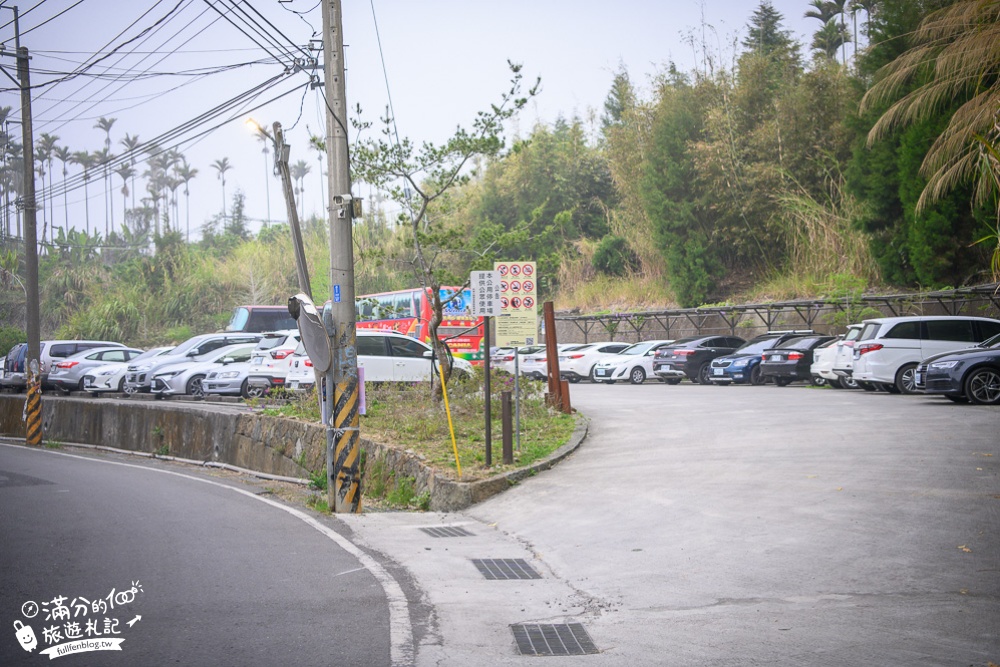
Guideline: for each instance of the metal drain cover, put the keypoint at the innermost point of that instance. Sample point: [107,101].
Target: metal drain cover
[446,531]
[553,639]
[505,568]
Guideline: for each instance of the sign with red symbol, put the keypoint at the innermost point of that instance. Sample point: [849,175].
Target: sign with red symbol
[518,325]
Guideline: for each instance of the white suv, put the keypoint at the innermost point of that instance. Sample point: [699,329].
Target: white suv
[270,360]
[888,350]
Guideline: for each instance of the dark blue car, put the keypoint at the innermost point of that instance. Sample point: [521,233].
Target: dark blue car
[743,365]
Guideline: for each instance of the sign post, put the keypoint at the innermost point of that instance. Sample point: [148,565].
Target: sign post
[518,325]
[486,304]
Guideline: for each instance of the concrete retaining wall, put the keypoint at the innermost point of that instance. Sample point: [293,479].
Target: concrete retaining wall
[271,445]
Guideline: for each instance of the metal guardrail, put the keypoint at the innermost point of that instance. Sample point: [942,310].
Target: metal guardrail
[822,314]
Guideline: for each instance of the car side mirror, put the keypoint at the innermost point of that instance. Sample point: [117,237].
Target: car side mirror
[194,352]
[428,354]
[228,360]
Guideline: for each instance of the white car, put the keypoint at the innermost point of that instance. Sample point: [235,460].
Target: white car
[186,377]
[536,365]
[387,356]
[229,380]
[270,360]
[821,368]
[634,363]
[843,361]
[301,376]
[502,358]
[578,363]
[890,348]
[111,377]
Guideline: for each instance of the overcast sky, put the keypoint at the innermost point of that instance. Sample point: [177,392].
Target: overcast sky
[444,60]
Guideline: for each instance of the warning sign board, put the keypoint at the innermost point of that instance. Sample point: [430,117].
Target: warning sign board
[518,325]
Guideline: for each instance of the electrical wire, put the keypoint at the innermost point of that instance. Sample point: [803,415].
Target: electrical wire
[246,20]
[21,15]
[51,18]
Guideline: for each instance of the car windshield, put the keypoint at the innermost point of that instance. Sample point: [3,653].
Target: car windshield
[755,347]
[852,333]
[685,341]
[798,343]
[151,353]
[638,348]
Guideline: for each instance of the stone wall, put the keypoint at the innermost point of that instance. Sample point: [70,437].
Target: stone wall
[271,445]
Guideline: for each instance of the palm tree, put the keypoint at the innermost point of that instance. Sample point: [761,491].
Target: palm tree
[131,144]
[299,171]
[105,125]
[103,158]
[186,173]
[45,147]
[955,48]
[126,171]
[155,181]
[823,11]
[319,145]
[266,140]
[221,167]
[64,155]
[87,161]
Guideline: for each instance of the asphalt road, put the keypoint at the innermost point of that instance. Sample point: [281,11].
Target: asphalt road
[218,574]
[735,526]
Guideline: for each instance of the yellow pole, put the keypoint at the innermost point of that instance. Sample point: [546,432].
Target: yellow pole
[451,426]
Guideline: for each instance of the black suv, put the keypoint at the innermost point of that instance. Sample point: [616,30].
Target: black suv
[692,357]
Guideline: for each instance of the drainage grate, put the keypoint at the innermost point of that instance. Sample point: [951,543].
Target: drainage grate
[505,568]
[446,531]
[553,639]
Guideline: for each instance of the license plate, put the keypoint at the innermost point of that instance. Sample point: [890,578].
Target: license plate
[717,371]
[663,367]
[601,371]
[776,357]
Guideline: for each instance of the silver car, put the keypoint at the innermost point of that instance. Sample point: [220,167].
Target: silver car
[139,376]
[67,374]
[186,377]
[230,380]
[111,377]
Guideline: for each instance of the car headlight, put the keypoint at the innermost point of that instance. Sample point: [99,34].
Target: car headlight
[740,363]
[143,367]
[944,364]
[110,371]
[168,375]
[228,375]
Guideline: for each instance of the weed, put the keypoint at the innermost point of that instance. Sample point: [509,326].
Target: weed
[53,444]
[403,494]
[424,501]
[317,501]
[317,479]
[163,450]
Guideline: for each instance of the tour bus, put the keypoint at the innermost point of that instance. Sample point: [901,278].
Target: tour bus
[409,313]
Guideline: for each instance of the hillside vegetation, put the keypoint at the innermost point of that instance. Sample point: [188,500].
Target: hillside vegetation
[756,176]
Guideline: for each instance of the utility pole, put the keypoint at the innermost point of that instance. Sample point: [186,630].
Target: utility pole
[34,404]
[281,153]
[343,435]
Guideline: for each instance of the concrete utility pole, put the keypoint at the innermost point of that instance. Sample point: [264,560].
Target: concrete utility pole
[281,154]
[343,435]
[34,406]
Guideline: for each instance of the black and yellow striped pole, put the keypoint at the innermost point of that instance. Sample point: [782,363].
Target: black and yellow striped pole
[343,436]
[33,407]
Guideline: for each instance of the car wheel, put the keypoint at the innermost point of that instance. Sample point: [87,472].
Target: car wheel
[591,373]
[905,382]
[757,376]
[818,381]
[835,384]
[121,385]
[573,380]
[673,381]
[637,376]
[611,381]
[889,387]
[129,389]
[982,386]
[957,399]
[867,386]
[252,390]
[195,388]
[848,382]
[782,382]
[80,386]
[704,374]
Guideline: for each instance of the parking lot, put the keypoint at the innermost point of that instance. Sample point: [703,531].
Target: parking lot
[704,525]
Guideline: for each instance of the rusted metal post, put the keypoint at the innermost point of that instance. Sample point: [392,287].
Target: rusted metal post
[505,419]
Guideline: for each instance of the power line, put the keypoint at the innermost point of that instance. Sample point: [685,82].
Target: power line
[21,15]
[51,18]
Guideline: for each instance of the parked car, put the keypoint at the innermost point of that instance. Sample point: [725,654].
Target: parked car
[387,356]
[843,359]
[269,361]
[111,377]
[971,374]
[889,349]
[14,376]
[578,364]
[536,366]
[503,357]
[743,365]
[692,357]
[187,377]
[228,380]
[257,319]
[139,376]
[790,360]
[634,363]
[821,368]
[68,374]
[301,376]
[52,351]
